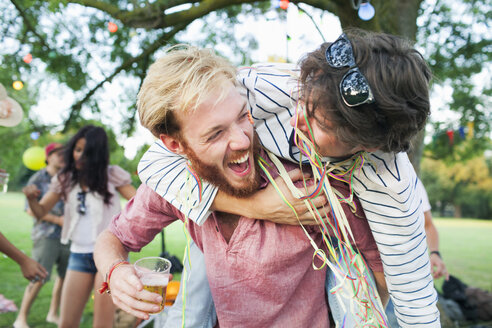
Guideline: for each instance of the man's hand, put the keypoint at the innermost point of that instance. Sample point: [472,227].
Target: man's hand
[32,270]
[270,205]
[438,268]
[128,293]
[31,191]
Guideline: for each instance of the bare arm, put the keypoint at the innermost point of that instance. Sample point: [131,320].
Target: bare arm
[437,264]
[42,207]
[30,268]
[266,204]
[48,218]
[126,288]
[127,191]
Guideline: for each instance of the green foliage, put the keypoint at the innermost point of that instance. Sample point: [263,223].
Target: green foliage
[73,49]
[465,185]
[457,43]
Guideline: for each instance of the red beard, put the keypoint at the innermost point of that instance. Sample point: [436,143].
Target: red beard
[213,175]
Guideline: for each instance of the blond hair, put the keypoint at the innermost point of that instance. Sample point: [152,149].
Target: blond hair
[180,81]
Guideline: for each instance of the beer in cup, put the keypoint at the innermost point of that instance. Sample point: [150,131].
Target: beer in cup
[154,275]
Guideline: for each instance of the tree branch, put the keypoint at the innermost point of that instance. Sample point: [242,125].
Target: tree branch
[152,15]
[314,22]
[28,24]
[75,109]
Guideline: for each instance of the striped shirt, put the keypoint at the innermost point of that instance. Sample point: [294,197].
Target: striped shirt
[386,186]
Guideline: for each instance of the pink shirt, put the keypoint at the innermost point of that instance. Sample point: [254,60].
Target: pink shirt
[262,278]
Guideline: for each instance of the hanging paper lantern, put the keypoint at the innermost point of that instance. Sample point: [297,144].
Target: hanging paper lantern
[27,59]
[461,130]
[112,27]
[471,127]
[284,4]
[34,158]
[450,134]
[35,135]
[17,85]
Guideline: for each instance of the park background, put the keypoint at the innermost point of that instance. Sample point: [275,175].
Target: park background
[82,62]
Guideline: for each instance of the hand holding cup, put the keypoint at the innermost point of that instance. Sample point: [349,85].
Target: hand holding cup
[154,274]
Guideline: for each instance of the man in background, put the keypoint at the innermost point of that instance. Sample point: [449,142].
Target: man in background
[47,248]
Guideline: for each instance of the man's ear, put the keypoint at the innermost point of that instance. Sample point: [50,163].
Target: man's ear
[172,143]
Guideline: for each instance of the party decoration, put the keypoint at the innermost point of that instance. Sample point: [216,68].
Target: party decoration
[284,4]
[112,27]
[27,59]
[461,130]
[450,134]
[366,11]
[35,135]
[34,158]
[471,127]
[17,85]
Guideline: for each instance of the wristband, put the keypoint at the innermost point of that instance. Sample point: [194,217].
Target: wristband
[437,253]
[105,284]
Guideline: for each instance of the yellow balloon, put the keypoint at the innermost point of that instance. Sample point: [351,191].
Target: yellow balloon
[34,158]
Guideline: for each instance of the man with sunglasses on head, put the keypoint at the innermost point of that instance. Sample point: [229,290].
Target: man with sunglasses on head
[362,97]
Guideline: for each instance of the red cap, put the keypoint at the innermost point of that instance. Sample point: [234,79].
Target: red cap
[52,147]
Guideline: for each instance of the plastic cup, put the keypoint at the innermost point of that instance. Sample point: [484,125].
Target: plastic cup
[154,275]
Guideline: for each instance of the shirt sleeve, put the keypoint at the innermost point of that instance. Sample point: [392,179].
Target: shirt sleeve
[166,174]
[271,91]
[118,177]
[426,206]
[144,216]
[387,188]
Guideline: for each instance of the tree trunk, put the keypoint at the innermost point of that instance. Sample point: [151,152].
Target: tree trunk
[457,211]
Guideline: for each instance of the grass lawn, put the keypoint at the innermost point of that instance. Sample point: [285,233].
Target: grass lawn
[465,246]
[16,225]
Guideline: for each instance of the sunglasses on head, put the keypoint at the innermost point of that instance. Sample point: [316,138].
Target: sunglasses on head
[354,88]
[81,208]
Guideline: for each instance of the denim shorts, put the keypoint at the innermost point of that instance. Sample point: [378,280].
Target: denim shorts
[82,262]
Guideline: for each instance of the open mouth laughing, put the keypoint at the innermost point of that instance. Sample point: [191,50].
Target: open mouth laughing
[241,165]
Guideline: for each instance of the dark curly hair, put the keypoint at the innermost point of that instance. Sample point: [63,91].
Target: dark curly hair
[93,172]
[399,78]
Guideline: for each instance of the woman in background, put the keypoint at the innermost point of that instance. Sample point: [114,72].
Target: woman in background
[88,185]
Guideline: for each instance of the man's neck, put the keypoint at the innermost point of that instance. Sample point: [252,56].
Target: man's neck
[227,224]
